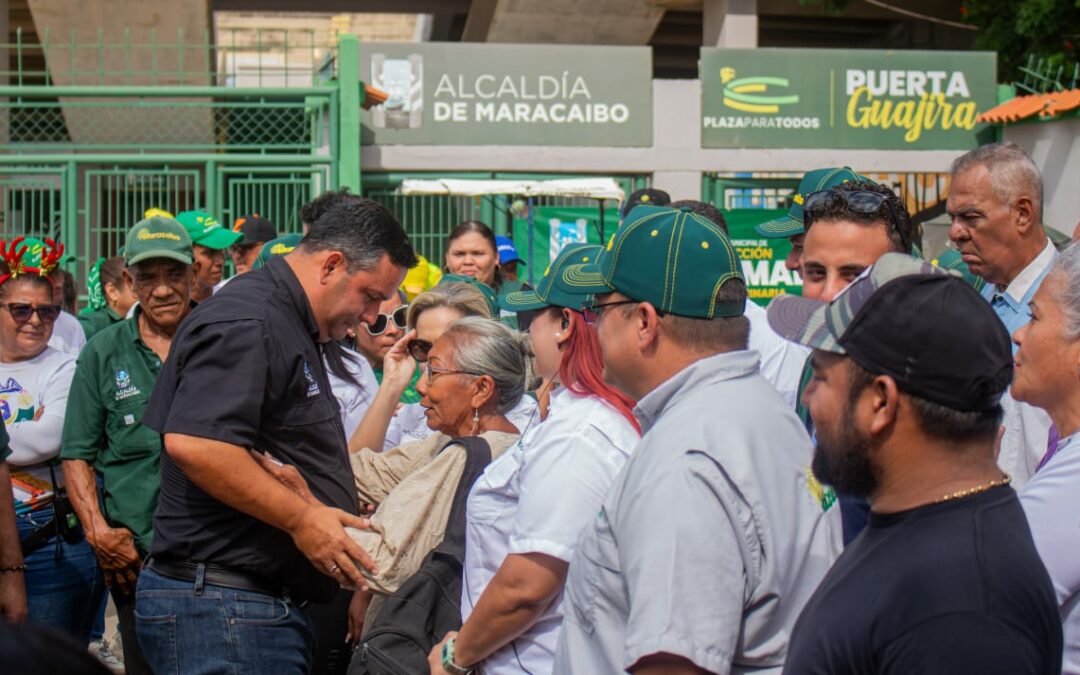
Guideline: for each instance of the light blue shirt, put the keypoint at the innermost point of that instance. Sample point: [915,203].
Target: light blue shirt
[1011,305]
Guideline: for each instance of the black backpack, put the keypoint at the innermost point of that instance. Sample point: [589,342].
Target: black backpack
[427,606]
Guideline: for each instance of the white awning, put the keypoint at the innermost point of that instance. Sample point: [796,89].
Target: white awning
[591,188]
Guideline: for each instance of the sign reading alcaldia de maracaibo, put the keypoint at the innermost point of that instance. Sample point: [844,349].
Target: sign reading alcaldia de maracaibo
[833,98]
[489,94]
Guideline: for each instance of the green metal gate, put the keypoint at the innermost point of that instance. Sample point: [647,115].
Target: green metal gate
[87,148]
[32,200]
[428,219]
[275,193]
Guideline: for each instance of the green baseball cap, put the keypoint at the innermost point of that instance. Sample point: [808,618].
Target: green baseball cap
[206,231]
[283,245]
[550,291]
[950,259]
[158,237]
[488,292]
[672,258]
[814,181]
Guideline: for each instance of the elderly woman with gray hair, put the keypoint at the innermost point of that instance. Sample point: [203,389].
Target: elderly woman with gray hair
[475,373]
[1047,375]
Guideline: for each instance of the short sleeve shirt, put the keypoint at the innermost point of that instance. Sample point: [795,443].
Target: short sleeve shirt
[941,589]
[114,378]
[99,319]
[536,498]
[246,368]
[711,539]
[1051,501]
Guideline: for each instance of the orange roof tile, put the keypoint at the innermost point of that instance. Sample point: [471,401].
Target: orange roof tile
[373,96]
[1022,107]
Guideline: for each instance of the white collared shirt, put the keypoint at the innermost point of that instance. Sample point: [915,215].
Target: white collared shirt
[711,539]
[1051,501]
[1019,287]
[537,498]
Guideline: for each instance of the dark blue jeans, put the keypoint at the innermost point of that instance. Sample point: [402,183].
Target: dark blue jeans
[203,629]
[65,591]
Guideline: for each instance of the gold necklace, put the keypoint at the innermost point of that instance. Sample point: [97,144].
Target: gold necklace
[1004,480]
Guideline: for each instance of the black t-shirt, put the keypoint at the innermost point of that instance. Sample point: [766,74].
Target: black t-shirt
[953,589]
[245,368]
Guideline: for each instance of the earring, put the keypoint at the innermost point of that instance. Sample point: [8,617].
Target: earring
[558,334]
[475,421]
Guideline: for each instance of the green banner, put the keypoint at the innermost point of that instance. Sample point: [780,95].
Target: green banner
[762,260]
[489,94]
[844,98]
[554,227]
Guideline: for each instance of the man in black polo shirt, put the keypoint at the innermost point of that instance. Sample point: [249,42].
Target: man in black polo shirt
[910,365]
[234,551]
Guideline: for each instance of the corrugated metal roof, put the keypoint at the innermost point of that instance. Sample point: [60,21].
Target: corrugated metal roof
[1045,106]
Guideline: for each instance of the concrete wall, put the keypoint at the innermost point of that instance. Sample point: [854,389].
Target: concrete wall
[1055,147]
[676,159]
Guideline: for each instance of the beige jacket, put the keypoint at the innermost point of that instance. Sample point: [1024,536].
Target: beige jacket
[413,486]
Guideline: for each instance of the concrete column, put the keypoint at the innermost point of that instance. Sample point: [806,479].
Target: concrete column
[730,23]
[678,184]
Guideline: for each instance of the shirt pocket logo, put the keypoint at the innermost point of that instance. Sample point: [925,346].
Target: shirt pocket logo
[312,385]
[124,387]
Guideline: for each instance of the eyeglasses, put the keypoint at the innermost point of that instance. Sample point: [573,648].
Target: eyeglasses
[241,250]
[431,371]
[22,311]
[418,349]
[593,311]
[382,322]
[866,202]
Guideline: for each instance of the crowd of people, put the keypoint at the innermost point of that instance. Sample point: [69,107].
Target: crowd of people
[345,458]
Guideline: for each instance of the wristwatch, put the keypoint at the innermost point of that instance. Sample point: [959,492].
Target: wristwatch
[448,659]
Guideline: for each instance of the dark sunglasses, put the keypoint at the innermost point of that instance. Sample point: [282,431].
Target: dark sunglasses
[382,322]
[418,349]
[866,202]
[22,311]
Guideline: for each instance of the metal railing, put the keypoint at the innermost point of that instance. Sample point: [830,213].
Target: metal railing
[149,119]
[1041,76]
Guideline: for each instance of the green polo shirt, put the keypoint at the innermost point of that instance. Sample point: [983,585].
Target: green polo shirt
[99,319]
[113,381]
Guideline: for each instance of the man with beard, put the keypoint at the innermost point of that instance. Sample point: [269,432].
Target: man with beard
[848,227]
[910,365]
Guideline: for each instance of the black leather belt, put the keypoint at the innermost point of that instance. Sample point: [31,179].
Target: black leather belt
[215,575]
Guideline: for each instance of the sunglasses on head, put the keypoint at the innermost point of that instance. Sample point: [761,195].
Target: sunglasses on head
[866,202]
[382,322]
[22,311]
[418,349]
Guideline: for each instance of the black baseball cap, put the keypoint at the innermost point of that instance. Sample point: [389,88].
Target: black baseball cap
[644,197]
[255,228]
[924,327]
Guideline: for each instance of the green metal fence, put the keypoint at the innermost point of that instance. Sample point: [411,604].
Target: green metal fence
[96,131]
[275,193]
[32,200]
[429,219]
